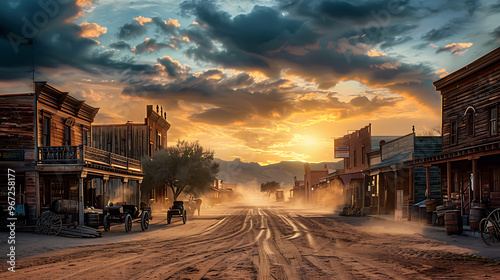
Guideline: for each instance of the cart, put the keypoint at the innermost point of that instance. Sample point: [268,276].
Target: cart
[127,214]
[177,210]
[490,228]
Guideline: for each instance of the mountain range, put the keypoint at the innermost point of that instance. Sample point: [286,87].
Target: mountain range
[252,174]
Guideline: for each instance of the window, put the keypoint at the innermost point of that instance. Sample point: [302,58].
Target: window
[470,125]
[158,140]
[493,121]
[363,155]
[46,132]
[453,132]
[355,159]
[67,136]
[84,137]
[495,180]
[346,163]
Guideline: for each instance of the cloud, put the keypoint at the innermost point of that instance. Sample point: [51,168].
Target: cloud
[241,100]
[274,42]
[455,48]
[92,30]
[442,73]
[132,30]
[374,52]
[172,67]
[148,46]
[451,28]
[143,20]
[121,45]
[57,43]
[139,27]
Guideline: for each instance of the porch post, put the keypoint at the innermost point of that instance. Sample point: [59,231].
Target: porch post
[448,179]
[139,198]
[124,187]
[427,182]
[81,219]
[105,180]
[411,193]
[363,193]
[378,194]
[475,180]
[37,195]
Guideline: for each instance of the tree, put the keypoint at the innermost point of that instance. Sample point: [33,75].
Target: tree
[270,187]
[185,167]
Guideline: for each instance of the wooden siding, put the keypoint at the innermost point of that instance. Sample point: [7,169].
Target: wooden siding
[427,146]
[481,91]
[58,127]
[357,140]
[133,140]
[127,140]
[16,124]
[398,146]
[420,185]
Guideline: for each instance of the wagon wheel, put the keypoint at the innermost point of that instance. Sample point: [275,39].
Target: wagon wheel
[495,216]
[489,231]
[49,224]
[128,223]
[144,220]
[184,216]
[490,227]
[107,223]
[169,218]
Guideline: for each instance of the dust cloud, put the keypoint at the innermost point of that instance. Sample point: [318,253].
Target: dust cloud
[399,228]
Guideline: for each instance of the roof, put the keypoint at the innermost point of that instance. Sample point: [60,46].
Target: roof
[392,161]
[479,64]
[375,145]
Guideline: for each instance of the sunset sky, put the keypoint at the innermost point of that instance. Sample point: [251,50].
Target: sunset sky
[263,81]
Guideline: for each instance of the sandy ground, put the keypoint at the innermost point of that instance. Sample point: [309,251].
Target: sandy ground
[276,241]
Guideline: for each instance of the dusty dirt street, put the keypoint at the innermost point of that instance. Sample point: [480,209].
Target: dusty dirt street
[268,242]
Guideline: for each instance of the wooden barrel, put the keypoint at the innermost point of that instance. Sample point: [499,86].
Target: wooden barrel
[92,220]
[476,214]
[430,205]
[453,222]
[65,206]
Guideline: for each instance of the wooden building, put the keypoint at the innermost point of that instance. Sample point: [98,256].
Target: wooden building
[134,140]
[137,141]
[311,178]
[471,141]
[356,188]
[45,137]
[396,186]
[298,191]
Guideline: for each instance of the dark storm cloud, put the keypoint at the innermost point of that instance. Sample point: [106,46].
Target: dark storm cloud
[164,26]
[139,27]
[263,29]
[148,46]
[132,30]
[270,41]
[445,31]
[56,41]
[173,68]
[496,33]
[121,45]
[240,99]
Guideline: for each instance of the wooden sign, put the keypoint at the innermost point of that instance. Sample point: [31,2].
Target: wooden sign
[11,155]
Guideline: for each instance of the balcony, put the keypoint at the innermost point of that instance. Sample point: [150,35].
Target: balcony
[84,155]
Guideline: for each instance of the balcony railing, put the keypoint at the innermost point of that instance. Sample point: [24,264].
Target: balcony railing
[84,154]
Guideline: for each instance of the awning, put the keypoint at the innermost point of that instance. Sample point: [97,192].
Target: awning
[346,178]
[391,162]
